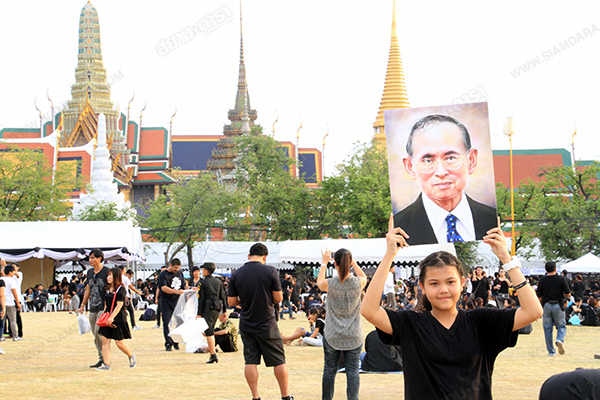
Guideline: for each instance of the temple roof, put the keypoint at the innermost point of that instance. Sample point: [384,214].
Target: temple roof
[394,90]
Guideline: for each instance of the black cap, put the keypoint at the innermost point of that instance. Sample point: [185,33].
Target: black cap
[209,266]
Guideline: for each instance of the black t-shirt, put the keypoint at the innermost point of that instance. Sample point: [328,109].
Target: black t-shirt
[481,287]
[321,325]
[285,288]
[552,288]
[97,283]
[254,283]
[455,363]
[174,280]
[381,357]
[503,286]
[2,284]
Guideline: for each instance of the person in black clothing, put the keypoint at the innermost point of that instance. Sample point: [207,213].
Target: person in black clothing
[211,302]
[40,297]
[552,291]
[286,288]
[501,284]
[117,329]
[590,313]
[578,286]
[379,357]
[256,287]
[481,285]
[171,284]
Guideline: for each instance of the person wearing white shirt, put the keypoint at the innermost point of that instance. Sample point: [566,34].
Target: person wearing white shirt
[389,290]
[12,299]
[19,279]
[127,284]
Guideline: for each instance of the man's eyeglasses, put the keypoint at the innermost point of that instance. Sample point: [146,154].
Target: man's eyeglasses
[450,162]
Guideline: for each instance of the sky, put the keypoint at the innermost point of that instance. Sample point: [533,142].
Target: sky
[320,62]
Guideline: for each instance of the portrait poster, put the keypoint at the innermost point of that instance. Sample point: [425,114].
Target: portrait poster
[444,191]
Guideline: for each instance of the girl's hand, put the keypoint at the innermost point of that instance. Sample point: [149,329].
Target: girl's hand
[395,238]
[110,321]
[326,256]
[497,241]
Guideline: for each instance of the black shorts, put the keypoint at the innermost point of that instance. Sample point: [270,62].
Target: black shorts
[268,344]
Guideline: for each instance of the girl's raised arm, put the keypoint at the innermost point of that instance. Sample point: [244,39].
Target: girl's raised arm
[321,281]
[530,309]
[371,309]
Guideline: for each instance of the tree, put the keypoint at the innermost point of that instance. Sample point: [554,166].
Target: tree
[359,194]
[106,211]
[189,211]
[273,203]
[568,204]
[30,190]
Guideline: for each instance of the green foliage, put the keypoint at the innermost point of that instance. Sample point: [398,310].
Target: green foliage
[359,194]
[30,190]
[106,211]
[568,203]
[186,215]
[273,204]
[466,252]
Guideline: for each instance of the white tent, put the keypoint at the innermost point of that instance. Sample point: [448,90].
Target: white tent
[53,242]
[229,255]
[588,264]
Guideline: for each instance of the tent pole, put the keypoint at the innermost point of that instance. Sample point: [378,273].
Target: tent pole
[42,268]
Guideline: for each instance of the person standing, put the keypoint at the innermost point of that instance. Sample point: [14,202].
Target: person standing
[18,277]
[128,303]
[117,329]
[255,287]
[12,300]
[195,280]
[94,293]
[344,333]
[171,284]
[156,296]
[552,290]
[211,302]
[389,290]
[286,289]
[481,285]
[2,303]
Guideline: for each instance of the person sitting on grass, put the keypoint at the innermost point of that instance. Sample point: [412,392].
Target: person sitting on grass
[314,314]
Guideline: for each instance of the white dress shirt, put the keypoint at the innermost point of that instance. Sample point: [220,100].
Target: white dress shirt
[437,218]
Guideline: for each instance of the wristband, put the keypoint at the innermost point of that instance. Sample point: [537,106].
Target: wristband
[514,263]
[520,285]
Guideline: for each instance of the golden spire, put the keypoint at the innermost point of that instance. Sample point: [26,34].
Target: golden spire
[394,89]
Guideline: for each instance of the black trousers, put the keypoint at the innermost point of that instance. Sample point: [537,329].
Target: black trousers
[167,313]
[130,311]
[225,343]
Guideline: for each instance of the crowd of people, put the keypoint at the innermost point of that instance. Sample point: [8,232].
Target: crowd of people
[424,315]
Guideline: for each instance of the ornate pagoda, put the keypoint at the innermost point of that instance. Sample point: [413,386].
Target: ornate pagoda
[394,89]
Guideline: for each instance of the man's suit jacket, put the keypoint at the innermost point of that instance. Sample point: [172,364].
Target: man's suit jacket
[413,220]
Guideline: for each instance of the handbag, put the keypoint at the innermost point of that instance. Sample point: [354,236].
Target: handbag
[103,320]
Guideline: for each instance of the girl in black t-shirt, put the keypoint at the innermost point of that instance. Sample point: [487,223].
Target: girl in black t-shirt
[447,352]
[117,328]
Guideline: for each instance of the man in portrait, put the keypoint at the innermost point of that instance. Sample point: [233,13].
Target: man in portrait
[441,159]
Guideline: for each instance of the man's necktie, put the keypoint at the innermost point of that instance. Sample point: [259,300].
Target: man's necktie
[452,234]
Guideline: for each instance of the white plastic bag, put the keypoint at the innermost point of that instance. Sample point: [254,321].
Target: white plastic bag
[185,310]
[84,324]
[188,330]
[194,344]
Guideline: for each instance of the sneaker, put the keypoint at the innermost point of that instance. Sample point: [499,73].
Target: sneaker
[103,367]
[17,338]
[561,349]
[551,354]
[98,364]
[156,327]
[137,328]
[2,338]
[132,362]
[2,351]
[168,348]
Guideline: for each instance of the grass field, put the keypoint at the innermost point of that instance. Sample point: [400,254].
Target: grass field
[52,362]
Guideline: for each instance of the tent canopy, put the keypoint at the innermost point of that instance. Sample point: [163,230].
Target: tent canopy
[588,264]
[71,240]
[229,255]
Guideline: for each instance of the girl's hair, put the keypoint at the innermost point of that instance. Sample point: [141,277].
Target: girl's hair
[116,279]
[343,260]
[318,310]
[439,259]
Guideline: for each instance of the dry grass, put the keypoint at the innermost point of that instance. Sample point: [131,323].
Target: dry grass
[52,363]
